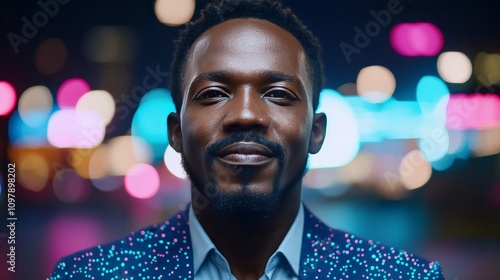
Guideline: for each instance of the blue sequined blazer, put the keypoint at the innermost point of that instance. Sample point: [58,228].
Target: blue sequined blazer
[164,252]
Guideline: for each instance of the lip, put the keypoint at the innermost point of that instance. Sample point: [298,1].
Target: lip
[245,153]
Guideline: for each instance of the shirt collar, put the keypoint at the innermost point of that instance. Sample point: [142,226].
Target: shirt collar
[290,247]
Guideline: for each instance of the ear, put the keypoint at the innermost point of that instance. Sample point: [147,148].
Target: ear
[318,133]
[174,131]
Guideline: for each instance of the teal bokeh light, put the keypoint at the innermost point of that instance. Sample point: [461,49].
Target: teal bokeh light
[22,134]
[150,120]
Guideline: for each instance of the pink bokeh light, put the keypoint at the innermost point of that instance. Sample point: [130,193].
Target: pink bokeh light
[70,92]
[71,129]
[473,111]
[416,39]
[7,97]
[142,181]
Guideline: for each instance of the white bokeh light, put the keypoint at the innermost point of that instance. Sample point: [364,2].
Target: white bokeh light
[173,162]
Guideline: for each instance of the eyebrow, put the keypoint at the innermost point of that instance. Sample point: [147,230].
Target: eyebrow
[266,76]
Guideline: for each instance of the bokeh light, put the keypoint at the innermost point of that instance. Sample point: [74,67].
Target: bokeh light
[80,161]
[173,162]
[414,170]
[20,134]
[127,151]
[70,92]
[174,12]
[321,178]
[149,122]
[487,68]
[473,111]
[435,144]
[416,39]
[486,142]
[99,170]
[375,83]
[358,170]
[33,172]
[142,181]
[110,44]
[457,141]
[348,89]
[454,67]
[71,129]
[99,165]
[99,101]
[342,137]
[35,105]
[432,98]
[8,97]
[51,56]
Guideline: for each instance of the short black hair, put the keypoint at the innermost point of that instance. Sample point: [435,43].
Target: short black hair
[223,10]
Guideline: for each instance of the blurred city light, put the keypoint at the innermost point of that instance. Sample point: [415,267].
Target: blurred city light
[416,39]
[99,101]
[33,172]
[486,142]
[75,129]
[8,97]
[174,12]
[342,138]
[127,151]
[454,67]
[173,162]
[487,68]
[110,44]
[150,120]
[473,111]
[35,105]
[348,89]
[99,163]
[142,181]
[414,170]
[21,134]
[51,56]
[70,92]
[375,83]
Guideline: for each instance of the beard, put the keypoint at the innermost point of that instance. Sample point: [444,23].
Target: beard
[245,206]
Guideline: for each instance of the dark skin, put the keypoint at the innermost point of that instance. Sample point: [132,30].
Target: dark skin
[247,75]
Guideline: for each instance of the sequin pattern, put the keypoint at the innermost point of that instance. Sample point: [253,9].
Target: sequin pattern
[334,254]
[164,252]
[157,252]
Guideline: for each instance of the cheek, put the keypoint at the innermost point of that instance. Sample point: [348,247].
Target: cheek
[297,139]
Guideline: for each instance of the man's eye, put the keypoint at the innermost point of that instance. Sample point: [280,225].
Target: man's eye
[211,94]
[279,94]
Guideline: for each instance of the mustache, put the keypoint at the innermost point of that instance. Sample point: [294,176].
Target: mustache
[214,148]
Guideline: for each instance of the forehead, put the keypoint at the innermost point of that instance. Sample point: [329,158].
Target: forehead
[246,46]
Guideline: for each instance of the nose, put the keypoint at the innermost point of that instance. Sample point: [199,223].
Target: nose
[246,111]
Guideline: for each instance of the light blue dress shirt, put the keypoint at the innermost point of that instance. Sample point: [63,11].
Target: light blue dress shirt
[210,264]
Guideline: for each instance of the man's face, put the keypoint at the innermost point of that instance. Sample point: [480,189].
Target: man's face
[246,123]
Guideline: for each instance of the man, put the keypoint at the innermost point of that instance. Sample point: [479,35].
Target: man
[246,78]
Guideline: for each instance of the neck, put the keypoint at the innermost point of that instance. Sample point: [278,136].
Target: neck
[248,248]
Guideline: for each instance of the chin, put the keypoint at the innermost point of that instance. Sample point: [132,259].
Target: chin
[248,206]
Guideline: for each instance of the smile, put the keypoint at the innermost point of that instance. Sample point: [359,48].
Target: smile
[246,153]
